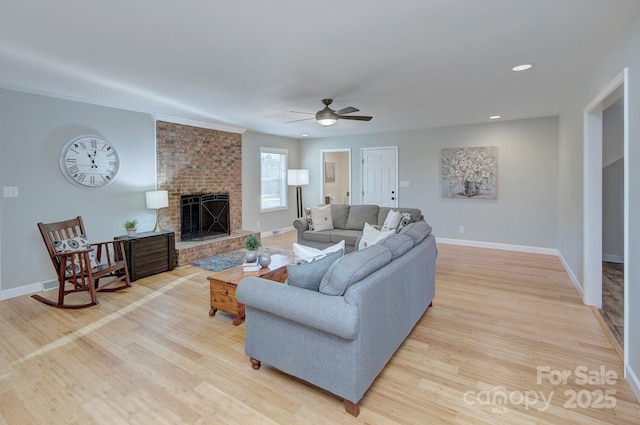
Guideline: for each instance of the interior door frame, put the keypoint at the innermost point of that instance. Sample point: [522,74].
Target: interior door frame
[322,152]
[362,177]
[592,223]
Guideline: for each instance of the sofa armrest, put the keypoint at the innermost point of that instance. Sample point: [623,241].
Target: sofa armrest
[301,225]
[327,313]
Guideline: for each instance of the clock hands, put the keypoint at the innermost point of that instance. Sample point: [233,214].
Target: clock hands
[93,159]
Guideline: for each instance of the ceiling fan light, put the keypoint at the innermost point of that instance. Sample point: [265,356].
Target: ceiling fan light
[327,122]
[326,117]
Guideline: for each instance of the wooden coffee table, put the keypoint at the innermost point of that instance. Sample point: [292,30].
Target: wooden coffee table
[223,285]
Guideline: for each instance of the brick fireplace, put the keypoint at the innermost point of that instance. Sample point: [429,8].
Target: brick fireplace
[193,160]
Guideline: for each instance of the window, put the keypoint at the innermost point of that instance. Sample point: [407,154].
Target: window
[273,179]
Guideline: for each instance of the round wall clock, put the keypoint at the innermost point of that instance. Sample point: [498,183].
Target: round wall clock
[89,161]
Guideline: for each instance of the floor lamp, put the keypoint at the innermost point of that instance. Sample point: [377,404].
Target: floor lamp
[298,178]
[157,199]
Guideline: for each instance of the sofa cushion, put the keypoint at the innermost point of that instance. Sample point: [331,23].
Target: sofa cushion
[308,274]
[321,217]
[417,231]
[348,236]
[361,214]
[340,214]
[371,235]
[398,245]
[307,253]
[353,268]
[312,235]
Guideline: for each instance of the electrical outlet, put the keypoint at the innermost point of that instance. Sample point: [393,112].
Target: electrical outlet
[258,224]
[461,229]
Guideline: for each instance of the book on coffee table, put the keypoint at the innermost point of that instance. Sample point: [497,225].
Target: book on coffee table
[251,267]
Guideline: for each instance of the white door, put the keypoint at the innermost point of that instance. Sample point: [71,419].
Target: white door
[379,176]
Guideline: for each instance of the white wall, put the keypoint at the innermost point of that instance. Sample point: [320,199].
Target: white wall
[251,215]
[613,212]
[525,211]
[613,183]
[624,52]
[33,130]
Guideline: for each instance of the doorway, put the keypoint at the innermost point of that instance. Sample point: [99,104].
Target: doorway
[336,176]
[612,310]
[593,195]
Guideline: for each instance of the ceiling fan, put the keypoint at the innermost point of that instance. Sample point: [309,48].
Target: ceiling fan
[328,117]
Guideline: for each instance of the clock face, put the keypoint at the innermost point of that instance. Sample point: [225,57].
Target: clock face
[89,161]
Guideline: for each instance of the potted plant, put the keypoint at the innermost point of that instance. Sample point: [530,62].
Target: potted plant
[130,225]
[252,243]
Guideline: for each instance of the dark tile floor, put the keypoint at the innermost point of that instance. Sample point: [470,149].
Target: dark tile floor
[613,298]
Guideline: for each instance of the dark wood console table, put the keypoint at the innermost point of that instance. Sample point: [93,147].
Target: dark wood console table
[149,253]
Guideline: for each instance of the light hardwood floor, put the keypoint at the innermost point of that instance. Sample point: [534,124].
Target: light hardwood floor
[152,355]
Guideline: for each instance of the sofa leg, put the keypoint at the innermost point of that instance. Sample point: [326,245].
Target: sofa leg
[431,304]
[351,407]
[255,363]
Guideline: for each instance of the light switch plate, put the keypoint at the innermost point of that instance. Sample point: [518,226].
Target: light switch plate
[405,183]
[10,191]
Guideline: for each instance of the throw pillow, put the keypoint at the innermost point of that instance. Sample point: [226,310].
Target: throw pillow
[393,220]
[405,219]
[353,268]
[307,214]
[308,275]
[371,235]
[79,243]
[321,217]
[308,253]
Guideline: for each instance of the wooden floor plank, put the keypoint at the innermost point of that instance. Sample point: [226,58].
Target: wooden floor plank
[152,355]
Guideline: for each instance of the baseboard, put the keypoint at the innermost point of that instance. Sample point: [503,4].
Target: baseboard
[633,381]
[276,231]
[572,276]
[21,290]
[501,246]
[610,258]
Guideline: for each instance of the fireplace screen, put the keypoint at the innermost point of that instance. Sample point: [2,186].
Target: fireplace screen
[204,216]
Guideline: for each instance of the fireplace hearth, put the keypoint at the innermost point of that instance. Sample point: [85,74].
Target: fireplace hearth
[204,216]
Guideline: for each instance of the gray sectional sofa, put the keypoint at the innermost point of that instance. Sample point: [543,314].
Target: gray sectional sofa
[348,222]
[341,336]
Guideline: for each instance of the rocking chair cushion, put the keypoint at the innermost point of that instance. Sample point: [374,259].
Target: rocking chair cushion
[79,243]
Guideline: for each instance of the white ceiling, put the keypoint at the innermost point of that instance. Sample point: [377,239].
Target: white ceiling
[410,63]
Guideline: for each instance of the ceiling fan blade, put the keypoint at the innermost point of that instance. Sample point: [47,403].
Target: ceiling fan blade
[347,110]
[355,117]
[303,119]
[306,113]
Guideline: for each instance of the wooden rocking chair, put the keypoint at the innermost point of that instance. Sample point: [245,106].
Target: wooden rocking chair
[81,265]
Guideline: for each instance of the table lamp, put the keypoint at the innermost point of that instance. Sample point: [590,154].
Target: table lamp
[157,199]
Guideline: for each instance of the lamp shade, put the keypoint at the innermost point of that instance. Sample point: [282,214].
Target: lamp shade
[157,199]
[298,177]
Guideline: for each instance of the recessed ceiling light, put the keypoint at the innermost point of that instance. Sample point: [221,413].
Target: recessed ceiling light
[522,67]
[304,135]
[495,117]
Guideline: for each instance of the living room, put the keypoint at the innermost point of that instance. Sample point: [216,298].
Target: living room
[539,207]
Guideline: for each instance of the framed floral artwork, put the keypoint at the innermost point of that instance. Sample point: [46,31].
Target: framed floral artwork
[469,172]
[329,172]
